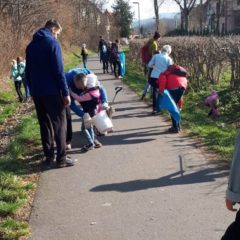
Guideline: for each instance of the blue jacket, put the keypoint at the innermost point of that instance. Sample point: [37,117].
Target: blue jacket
[44,66]
[69,77]
[160,62]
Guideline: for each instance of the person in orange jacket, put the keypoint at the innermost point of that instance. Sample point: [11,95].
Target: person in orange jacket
[175,81]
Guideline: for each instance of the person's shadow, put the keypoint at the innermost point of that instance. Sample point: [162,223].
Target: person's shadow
[177,178]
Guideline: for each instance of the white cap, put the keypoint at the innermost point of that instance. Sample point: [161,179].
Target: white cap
[92,81]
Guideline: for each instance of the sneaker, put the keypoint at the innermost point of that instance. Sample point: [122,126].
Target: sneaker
[173,130]
[120,77]
[67,163]
[154,112]
[97,144]
[87,147]
[47,162]
[68,146]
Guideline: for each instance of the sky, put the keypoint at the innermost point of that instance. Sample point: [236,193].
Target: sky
[146,8]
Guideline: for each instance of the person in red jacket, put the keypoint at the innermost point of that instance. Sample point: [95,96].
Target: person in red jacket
[175,81]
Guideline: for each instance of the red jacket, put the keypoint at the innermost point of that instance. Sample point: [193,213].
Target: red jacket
[168,80]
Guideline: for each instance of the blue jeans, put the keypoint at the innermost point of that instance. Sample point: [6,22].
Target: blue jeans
[26,87]
[89,133]
[146,89]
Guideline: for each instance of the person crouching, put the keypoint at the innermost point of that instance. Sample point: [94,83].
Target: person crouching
[175,81]
[89,100]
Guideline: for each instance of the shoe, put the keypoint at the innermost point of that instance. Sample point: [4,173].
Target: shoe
[97,144]
[143,96]
[120,77]
[47,162]
[154,112]
[68,146]
[87,147]
[69,162]
[173,130]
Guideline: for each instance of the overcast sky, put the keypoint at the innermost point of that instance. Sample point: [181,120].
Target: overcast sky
[146,7]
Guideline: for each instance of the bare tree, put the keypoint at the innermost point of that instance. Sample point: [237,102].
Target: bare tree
[186,7]
[157,5]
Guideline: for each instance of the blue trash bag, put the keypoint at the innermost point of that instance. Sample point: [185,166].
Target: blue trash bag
[122,63]
[165,102]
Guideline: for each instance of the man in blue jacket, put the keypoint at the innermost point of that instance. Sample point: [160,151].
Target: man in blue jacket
[48,88]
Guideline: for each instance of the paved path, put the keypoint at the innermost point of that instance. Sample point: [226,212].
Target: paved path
[142,184]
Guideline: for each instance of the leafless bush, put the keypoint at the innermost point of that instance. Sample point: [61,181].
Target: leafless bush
[206,58]
[82,21]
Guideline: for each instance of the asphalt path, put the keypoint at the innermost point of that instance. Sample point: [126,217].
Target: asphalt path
[143,184]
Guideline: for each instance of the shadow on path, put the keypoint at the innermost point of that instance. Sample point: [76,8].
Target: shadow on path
[177,178]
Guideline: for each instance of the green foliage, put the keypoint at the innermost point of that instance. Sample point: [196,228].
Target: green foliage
[218,135]
[8,104]
[11,229]
[14,190]
[124,17]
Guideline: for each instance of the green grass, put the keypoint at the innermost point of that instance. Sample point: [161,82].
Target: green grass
[14,189]
[11,229]
[8,104]
[73,58]
[218,135]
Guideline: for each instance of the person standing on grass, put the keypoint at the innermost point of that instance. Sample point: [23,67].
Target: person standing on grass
[159,63]
[48,88]
[151,48]
[21,72]
[16,77]
[84,54]
[233,193]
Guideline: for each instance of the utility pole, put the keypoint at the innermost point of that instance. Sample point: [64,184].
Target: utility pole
[139,23]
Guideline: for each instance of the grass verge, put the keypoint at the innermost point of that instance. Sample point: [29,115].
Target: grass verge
[17,179]
[8,104]
[72,57]
[217,135]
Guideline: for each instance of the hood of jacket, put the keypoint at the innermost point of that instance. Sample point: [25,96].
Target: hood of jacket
[41,34]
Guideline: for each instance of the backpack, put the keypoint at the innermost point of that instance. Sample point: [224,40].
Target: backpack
[104,48]
[177,70]
[145,55]
[114,53]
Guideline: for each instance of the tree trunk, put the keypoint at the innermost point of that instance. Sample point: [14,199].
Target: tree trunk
[156,10]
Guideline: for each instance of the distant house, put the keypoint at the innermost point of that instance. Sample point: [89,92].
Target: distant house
[223,15]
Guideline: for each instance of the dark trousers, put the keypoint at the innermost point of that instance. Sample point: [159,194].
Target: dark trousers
[105,65]
[153,83]
[51,115]
[69,125]
[116,65]
[176,96]
[18,85]
[84,59]
[233,231]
